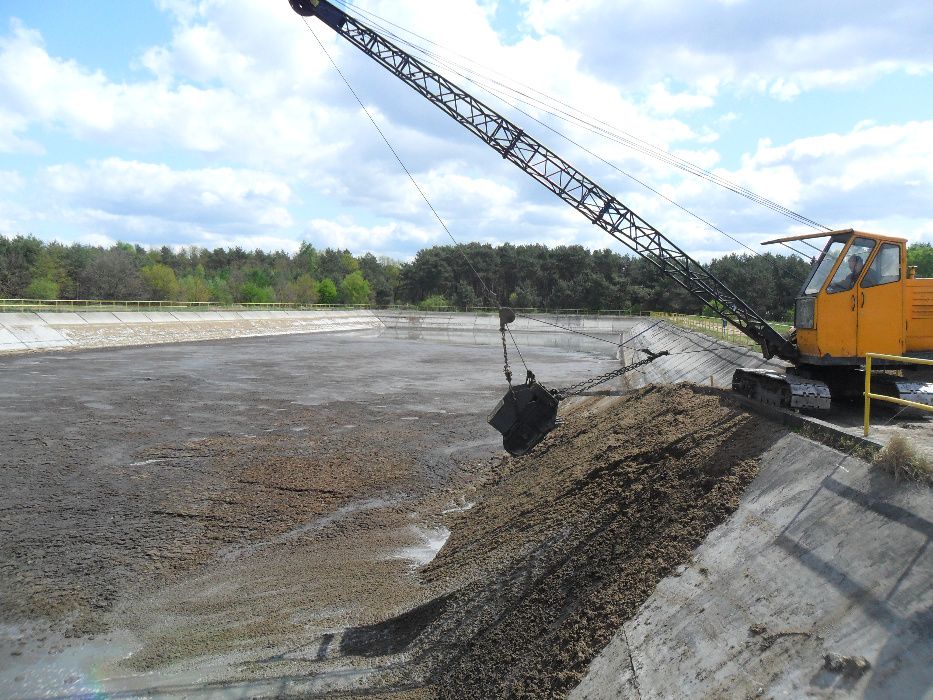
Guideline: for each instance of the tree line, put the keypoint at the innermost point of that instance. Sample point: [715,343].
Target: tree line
[563,277]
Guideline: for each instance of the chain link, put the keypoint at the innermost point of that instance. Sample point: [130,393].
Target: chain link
[580,387]
[505,355]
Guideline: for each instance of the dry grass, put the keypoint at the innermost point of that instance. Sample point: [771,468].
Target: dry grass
[902,460]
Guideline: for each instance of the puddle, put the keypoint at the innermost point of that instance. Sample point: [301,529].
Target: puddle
[432,539]
[84,669]
[156,460]
[313,526]
[459,508]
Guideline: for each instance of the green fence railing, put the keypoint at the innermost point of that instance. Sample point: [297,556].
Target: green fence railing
[713,326]
[30,305]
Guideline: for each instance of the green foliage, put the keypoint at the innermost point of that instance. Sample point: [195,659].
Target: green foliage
[18,257]
[327,291]
[252,293]
[712,309]
[569,277]
[435,301]
[51,267]
[112,274]
[354,289]
[194,288]
[160,280]
[42,288]
[337,264]
[921,255]
[220,291]
[307,259]
[306,290]
[259,277]
[382,275]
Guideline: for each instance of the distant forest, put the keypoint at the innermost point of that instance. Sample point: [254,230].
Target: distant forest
[564,277]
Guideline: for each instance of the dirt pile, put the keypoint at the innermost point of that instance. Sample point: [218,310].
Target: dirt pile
[565,544]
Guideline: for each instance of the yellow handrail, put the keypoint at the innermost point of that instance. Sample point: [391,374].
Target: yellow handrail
[890,399]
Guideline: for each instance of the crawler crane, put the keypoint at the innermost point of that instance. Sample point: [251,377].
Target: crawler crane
[860,296]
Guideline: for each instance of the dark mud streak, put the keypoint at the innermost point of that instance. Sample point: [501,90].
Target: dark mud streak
[565,545]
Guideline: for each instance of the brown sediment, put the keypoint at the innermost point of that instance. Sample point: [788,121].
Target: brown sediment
[276,555]
[564,545]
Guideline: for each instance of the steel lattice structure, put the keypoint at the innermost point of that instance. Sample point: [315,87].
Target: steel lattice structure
[556,174]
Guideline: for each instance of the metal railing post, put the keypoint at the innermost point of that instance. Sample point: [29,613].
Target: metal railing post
[867,391]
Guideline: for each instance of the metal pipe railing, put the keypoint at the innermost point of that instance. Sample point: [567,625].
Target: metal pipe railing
[890,399]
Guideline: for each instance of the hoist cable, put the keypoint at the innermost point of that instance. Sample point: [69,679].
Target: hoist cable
[640,144]
[404,167]
[492,296]
[627,174]
[411,177]
[458,246]
[618,135]
[712,226]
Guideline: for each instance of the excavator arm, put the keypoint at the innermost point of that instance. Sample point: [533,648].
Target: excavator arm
[556,174]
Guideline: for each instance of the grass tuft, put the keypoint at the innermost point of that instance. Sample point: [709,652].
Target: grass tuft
[902,460]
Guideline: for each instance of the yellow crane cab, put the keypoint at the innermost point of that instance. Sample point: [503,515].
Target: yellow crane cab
[861,297]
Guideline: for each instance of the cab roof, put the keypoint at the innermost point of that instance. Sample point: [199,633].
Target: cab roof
[823,234]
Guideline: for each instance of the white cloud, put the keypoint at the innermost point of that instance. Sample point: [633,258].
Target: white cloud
[876,177]
[391,239]
[661,101]
[243,90]
[778,48]
[10,181]
[145,201]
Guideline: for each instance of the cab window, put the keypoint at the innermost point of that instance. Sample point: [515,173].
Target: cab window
[885,268]
[850,269]
[825,266]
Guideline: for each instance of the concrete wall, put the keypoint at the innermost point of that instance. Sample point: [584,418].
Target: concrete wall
[825,555]
[694,357]
[21,332]
[535,323]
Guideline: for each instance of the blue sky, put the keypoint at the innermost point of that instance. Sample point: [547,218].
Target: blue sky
[220,122]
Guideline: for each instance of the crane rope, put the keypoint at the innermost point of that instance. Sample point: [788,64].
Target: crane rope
[590,123]
[435,61]
[490,294]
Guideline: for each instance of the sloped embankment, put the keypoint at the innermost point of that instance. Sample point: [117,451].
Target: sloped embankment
[567,543]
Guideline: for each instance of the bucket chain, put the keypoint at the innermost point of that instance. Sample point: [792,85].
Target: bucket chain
[580,387]
[505,356]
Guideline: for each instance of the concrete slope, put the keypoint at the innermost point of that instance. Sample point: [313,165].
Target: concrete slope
[20,332]
[825,555]
[694,357]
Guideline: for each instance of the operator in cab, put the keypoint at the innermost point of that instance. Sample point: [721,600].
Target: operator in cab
[856,263]
[855,269]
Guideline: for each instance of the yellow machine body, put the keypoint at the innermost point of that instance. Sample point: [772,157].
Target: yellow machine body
[861,297]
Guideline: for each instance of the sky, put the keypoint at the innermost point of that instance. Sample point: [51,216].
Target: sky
[218,123]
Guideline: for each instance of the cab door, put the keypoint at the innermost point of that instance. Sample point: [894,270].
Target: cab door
[837,303]
[880,302]
[837,323]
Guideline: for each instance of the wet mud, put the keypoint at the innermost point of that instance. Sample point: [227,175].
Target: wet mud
[241,536]
[565,544]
